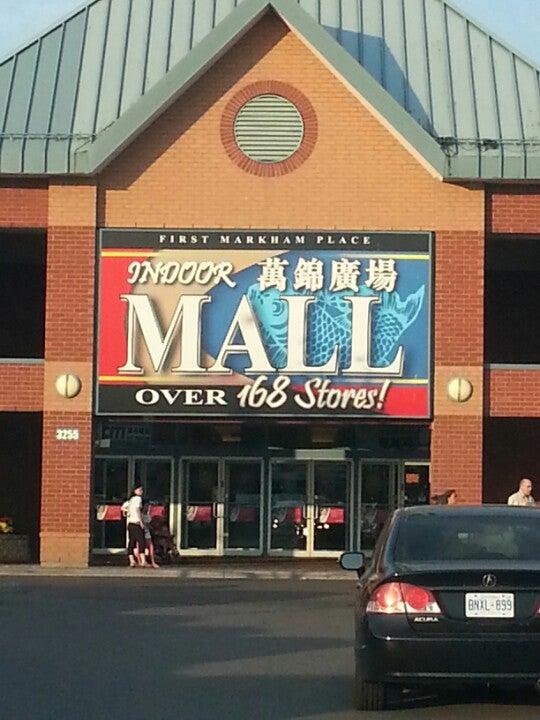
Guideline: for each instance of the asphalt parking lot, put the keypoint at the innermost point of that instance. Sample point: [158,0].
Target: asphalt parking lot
[134,648]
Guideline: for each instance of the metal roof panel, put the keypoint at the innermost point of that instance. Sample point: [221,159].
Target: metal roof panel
[350,38]
[40,111]
[159,39]
[372,39]
[203,20]
[117,136]
[135,54]
[450,74]
[395,55]
[330,16]
[114,53]
[461,77]
[90,69]
[181,34]
[67,77]
[419,101]
[359,80]
[21,90]
[44,82]
[313,7]
[223,8]
[527,79]
[442,119]
[477,98]
[20,99]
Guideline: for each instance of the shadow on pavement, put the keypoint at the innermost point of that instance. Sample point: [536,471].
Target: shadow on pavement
[208,651]
[468,703]
[179,592]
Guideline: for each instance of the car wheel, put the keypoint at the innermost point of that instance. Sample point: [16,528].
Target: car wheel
[368,695]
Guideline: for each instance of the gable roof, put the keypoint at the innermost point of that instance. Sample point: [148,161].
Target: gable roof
[458,98]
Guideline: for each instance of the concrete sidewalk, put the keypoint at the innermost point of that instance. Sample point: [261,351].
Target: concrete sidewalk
[199,571]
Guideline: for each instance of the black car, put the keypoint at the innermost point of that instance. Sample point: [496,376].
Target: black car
[452,594]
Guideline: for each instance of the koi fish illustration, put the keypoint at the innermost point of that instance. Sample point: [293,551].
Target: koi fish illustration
[329,324]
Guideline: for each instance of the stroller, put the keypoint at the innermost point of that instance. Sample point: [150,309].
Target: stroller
[165,551]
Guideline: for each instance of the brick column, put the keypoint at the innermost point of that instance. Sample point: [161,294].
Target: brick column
[69,329]
[457,432]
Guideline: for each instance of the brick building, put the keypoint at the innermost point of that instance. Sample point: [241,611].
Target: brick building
[375,165]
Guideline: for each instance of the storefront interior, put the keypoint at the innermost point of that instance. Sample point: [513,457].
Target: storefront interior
[511,452]
[20,469]
[244,494]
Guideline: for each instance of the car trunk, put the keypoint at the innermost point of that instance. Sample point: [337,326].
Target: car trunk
[465,600]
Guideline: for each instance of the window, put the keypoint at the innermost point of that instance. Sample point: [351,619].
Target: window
[20,473]
[22,295]
[512,301]
[471,537]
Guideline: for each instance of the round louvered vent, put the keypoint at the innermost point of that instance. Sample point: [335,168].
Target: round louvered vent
[269,129]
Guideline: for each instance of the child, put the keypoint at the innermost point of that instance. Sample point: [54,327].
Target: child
[149,545]
[164,547]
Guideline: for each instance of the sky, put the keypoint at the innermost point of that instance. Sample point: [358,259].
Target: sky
[516,21]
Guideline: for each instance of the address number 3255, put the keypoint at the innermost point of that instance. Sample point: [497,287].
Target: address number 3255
[69,434]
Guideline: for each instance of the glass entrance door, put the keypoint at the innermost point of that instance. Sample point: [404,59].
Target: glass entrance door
[111,488]
[114,480]
[242,517]
[155,475]
[310,507]
[289,507]
[331,488]
[417,489]
[380,494]
[221,503]
[200,505]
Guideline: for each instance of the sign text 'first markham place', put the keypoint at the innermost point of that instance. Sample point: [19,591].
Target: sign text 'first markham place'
[227,322]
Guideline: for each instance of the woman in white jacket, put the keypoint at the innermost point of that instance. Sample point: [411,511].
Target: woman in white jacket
[132,509]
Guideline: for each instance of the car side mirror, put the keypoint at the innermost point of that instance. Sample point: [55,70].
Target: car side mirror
[352,561]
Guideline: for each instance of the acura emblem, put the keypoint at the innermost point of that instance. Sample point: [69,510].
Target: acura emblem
[489,580]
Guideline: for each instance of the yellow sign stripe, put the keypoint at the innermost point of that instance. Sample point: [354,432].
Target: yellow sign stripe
[128,254]
[163,381]
[397,256]
[115,378]
[410,381]
[406,256]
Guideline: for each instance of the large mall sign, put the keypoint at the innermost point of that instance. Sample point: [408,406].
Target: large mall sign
[282,323]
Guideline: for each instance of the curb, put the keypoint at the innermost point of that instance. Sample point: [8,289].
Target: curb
[193,573]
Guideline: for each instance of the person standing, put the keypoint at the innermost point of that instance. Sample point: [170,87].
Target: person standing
[523,497]
[449,497]
[133,511]
[148,540]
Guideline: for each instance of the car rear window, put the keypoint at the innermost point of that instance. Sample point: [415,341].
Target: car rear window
[467,537]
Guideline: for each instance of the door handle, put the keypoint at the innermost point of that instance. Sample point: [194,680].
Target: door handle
[215,511]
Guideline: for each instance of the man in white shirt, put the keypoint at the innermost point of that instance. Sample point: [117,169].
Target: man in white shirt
[132,509]
[523,497]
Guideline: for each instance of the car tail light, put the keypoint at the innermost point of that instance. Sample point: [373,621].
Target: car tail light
[399,598]
[387,599]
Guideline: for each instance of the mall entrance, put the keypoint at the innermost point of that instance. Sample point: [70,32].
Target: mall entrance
[310,507]
[278,507]
[286,508]
[220,508]
[114,480]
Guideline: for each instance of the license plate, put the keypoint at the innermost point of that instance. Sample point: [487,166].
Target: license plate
[489,605]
